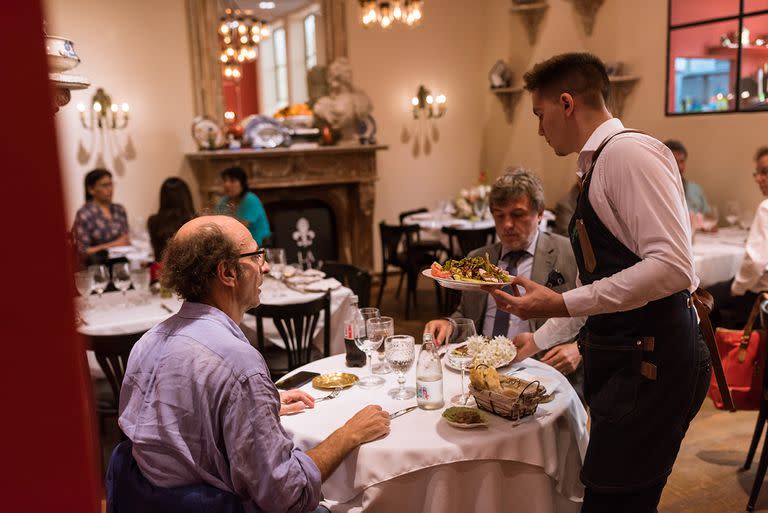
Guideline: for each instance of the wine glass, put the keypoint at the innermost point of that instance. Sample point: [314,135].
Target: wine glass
[276,260]
[140,279]
[84,285]
[479,206]
[382,367]
[121,277]
[376,330]
[400,351]
[732,213]
[461,330]
[99,278]
[710,219]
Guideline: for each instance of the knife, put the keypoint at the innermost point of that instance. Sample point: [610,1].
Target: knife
[166,308]
[401,412]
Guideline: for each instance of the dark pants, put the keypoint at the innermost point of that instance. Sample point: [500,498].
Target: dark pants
[638,423]
[730,311]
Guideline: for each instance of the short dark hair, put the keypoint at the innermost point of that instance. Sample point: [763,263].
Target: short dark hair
[93,176]
[761,152]
[190,262]
[516,182]
[676,146]
[237,173]
[579,74]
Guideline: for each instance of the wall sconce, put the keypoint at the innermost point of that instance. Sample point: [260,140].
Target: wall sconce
[427,106]
[103,113]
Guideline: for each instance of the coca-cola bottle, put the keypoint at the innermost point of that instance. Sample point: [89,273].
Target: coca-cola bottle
[354,327]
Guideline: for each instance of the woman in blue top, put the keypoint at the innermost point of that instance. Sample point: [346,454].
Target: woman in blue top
[242,204]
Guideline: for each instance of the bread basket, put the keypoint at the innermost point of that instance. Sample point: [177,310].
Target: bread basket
[514,406]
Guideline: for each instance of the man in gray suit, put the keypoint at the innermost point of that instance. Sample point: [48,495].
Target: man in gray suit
[517,206]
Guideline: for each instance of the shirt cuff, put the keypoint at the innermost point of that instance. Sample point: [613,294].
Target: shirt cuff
[579,301]
[314,478]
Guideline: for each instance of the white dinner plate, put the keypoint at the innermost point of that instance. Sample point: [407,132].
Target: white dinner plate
[450,283]
[450,363]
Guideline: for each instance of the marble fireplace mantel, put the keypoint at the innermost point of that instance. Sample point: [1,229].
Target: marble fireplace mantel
[342,176]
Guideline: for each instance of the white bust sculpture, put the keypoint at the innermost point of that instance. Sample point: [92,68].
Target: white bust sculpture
[344,106]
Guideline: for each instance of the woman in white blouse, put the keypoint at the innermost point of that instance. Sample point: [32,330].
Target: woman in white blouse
[734,299]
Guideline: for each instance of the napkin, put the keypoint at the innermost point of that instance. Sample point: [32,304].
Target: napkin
[323,285]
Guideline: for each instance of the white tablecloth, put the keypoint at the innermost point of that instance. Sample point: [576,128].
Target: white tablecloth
[434,221]
[717,256]
[109,315]
[426,465]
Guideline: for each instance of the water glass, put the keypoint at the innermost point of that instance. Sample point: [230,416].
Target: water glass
[276,260]
[99,278]
[141,280]
[400,351]
[461,330]
[376,330]
[84,285]
[382,366]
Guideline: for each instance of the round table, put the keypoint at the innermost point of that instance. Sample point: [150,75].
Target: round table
[435,221]
[717,256]
[424,464]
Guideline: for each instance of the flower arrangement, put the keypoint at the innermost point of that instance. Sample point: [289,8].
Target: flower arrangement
[472,202]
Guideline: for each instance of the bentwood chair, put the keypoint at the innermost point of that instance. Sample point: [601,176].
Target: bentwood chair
[296,324]
[432,246]
[353,277]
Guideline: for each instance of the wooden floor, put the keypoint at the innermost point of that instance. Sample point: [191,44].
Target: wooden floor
[706,477]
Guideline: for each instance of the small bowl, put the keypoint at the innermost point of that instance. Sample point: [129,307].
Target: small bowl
[61,54]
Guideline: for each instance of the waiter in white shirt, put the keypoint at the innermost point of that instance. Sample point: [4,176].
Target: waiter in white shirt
[646,367]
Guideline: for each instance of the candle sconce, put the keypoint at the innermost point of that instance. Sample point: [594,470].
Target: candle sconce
[425,105]
[103,113]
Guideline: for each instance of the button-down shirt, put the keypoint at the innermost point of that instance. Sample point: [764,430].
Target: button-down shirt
[524,268]
[752,274]
[91,226]
[199,405]
[637,193]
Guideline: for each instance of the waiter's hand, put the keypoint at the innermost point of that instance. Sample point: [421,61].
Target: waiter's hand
[525,346]
[565,357]
[440,329]
[294,401]
[537,302]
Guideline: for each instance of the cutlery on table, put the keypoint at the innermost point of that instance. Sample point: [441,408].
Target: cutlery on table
[401,412]
[166,308]
[332,395]
[518,369]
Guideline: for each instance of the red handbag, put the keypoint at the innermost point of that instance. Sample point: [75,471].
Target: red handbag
[743,355]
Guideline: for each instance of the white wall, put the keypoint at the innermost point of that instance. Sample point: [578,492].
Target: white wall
[138,51]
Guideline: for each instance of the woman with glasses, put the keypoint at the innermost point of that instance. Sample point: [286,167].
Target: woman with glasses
[734,298]
[242,204]
[100,224]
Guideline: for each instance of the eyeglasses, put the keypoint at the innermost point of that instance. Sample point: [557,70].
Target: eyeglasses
[762,172]
[260,255]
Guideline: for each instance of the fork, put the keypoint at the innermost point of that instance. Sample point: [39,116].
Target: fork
[332,395]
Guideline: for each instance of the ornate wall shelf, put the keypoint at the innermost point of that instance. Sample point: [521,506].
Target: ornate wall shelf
[587,10]
[621,86]
[508,96]
[531,15]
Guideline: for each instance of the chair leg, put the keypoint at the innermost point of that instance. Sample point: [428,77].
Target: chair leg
[382,285]
[399,285]
[759,476]
[755,437]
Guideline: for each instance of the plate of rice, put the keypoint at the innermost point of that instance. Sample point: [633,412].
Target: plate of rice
[495,352]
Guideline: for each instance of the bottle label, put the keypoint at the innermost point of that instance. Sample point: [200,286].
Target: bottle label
[429,392]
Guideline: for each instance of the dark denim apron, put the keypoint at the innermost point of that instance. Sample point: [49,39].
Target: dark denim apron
[643,367]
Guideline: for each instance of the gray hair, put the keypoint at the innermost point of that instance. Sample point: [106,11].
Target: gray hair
[516,182]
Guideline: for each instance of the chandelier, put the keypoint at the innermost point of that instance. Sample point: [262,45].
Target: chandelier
[386,14]
[239,36]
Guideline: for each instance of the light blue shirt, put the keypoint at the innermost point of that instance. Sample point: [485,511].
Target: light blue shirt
[250,209]
[694,196]
[200,407]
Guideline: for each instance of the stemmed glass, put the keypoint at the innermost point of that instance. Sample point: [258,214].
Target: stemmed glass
[400,351]
[382,367]
[479,206]
[461,329]
[140,279]
[121,277]
[84,285]
[99,278]
[376,330]
[276,260]
[710,219]
[732,213]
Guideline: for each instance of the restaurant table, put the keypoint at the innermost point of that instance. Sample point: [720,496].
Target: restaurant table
[717,256]
[110,315]
[426,465]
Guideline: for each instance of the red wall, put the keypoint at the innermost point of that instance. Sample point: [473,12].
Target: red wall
[48,436]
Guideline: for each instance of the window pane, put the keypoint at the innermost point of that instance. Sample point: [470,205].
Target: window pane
[755,5]
[310,42]
[754,64]
[282,84]
[281,56]
[702,72]
[688,11]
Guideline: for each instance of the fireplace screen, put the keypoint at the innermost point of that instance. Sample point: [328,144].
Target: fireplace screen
[306,229]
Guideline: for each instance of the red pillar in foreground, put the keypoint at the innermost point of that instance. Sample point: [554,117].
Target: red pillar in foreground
[47,437]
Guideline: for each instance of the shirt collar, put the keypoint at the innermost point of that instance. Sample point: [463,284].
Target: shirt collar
[531,249]
[190,310]
[602,132]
